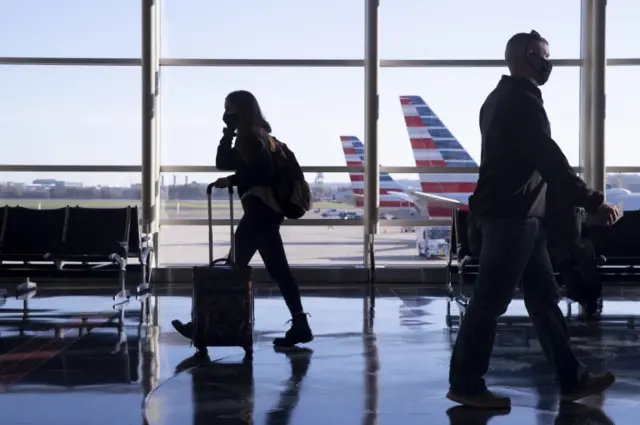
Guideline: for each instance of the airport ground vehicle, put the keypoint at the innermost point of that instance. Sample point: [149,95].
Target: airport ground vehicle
[433,241]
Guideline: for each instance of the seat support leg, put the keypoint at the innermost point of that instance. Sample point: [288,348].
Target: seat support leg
[123,295]
[145,287]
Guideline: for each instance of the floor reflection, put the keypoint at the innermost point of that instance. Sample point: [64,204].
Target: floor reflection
[80,356]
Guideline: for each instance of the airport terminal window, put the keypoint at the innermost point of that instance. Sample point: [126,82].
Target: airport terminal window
[184,197]
[71,28]
[308,108]
[621,184]
[57,190]
[253,29]
[623,93]
[429,117]
[470,29]
[53,115]
[455,95]
[622,18]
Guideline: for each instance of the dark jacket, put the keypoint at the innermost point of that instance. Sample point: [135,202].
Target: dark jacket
[519,157]
[253,168]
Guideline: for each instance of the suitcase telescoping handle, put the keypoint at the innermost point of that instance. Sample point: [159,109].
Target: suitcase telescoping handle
[232,238]
[232,251]
[210,221]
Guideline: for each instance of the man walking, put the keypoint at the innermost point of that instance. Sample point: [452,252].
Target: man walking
[519,158]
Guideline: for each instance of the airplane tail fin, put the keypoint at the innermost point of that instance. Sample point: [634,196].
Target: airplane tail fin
[355,158]
[391,192]
[433,145]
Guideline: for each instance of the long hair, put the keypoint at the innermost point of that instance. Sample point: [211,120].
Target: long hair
[250,117]
[251,121]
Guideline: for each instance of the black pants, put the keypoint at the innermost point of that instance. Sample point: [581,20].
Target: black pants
[512,250]
[259,230]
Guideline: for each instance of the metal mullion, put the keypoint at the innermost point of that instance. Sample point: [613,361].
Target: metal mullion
[24,168]
[34,61]
[323,63]
[70,168]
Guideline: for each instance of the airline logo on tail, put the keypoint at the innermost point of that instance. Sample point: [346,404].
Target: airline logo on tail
[433,145]
[391,192]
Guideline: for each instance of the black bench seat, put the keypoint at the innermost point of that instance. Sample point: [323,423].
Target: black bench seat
[74,242]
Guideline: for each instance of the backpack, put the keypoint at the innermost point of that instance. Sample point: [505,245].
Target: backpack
[291,190]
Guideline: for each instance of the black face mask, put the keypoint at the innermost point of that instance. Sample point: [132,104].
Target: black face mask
[541,66]
[230,120]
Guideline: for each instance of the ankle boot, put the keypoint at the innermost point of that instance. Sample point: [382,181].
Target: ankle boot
[299,333]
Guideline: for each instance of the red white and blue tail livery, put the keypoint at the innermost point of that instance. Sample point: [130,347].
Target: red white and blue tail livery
[392,195]
[433,145]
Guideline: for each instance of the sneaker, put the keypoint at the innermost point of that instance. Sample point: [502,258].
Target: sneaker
[593,384]
[483,400]
[184,329]
[299,333]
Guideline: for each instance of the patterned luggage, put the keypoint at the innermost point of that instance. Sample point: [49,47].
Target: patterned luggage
[222,311]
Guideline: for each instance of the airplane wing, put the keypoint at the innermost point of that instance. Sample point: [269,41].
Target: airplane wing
[436,200]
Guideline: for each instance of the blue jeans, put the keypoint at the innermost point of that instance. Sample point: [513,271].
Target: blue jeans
[512,250]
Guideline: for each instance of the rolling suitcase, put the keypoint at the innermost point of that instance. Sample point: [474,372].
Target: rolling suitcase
[222,311]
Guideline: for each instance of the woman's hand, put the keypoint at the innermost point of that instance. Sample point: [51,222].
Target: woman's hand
[227,135]
[221,183]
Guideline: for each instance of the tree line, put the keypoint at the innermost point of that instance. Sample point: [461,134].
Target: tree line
[186,192]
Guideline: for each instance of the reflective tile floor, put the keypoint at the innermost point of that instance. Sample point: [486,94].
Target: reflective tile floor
[74,359]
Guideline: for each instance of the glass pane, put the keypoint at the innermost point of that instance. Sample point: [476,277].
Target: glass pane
[469,29]
[623,189]
[623,93]
[304,245]
[184,197]
[450,99]
[56,190]
[275,29]
[627,181]
[308,108]
[52,115]
[622,20]
[336,197]
[455,95]
[71,28]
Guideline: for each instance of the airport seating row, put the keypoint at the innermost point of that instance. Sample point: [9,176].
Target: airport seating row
[617,253]
[74,242]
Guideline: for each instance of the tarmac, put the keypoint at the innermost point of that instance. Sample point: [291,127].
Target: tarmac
[313,245]
[305,245]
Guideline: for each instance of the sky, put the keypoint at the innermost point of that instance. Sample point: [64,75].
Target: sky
[91,115]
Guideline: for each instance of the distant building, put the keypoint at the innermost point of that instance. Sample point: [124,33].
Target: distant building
[55,183]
